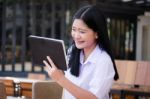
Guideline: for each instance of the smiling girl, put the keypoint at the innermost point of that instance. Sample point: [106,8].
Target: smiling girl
[92,69]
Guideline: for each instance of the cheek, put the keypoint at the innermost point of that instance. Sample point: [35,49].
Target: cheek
[91,38]
[72,34]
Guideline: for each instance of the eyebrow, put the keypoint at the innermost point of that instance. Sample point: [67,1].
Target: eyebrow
[80,28]
[83,29]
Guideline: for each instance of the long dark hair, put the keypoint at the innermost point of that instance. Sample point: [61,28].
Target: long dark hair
[93,17]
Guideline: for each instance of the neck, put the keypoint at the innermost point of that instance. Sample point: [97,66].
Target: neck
[87,51]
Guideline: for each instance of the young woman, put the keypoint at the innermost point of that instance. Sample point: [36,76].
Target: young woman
[91,65]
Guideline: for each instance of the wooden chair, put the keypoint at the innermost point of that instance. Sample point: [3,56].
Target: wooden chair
[132,73]
[46,90]
[2,91]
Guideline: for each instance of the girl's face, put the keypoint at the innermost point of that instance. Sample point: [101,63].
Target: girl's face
[83,36]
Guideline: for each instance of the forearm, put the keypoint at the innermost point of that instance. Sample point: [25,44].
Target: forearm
[75,90]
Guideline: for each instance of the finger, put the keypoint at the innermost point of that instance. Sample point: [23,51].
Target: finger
[51,62]
[46,64]
[46,69]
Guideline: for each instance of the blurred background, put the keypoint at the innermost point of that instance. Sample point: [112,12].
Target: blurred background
[128,26]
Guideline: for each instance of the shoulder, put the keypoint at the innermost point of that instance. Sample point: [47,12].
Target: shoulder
[103,60]
[103,56]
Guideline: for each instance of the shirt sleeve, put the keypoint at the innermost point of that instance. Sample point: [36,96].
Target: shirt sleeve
[102,79]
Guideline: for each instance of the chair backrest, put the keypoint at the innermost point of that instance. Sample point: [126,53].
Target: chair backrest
[147,79]
[2,91]
[122,69]
[131,72]
[46,90]
[9,84]
[127,71]
[141,73]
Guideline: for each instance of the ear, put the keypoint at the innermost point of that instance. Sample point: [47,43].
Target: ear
[96,35]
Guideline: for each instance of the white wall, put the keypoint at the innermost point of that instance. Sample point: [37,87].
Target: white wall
[143,38]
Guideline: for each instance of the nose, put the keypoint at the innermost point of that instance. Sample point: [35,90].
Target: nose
[76,35]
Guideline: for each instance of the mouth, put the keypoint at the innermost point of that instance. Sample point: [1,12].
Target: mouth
[79,42]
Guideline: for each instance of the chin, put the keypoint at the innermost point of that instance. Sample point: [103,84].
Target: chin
[79,47]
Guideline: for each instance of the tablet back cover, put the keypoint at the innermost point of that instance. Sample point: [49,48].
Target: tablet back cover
[41,47]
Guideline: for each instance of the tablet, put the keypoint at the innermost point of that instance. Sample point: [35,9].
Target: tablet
[42,46]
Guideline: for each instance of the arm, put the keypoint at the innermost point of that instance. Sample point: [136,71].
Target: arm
[59,77]
[76,91]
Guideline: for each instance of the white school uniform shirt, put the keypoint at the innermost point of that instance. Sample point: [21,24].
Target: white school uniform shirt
[96,74]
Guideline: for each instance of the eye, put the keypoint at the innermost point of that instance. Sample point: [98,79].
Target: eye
[73,29]
[82,31]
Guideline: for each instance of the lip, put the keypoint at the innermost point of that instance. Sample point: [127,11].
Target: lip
[78,42]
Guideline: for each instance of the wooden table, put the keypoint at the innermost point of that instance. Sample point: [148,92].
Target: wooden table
[124,90]
[24,83]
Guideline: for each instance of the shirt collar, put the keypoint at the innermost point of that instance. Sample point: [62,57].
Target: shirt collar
[92,57]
